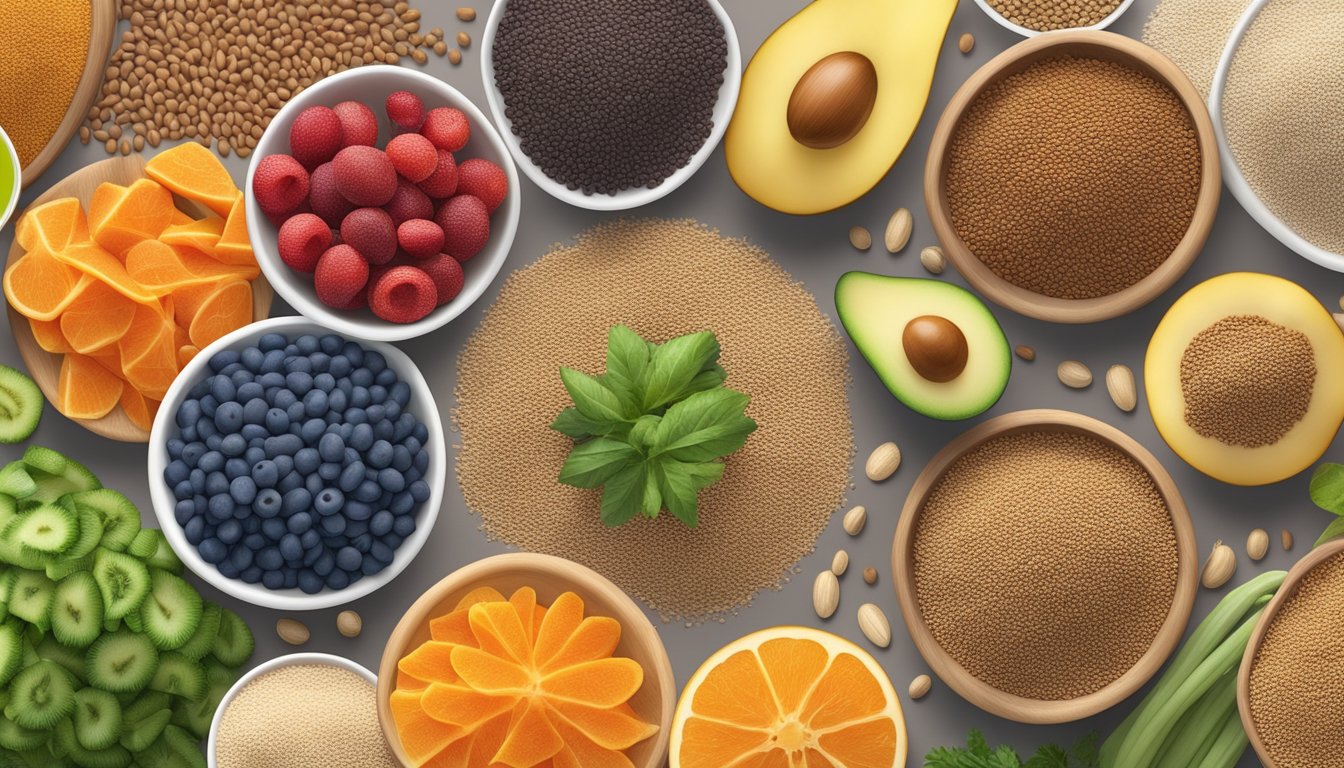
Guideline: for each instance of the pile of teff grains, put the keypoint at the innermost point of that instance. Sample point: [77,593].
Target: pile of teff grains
[1074,178]
[609,95]
[298,463]
[1297,679]
[1045,563]
[1045,15]
[42,51]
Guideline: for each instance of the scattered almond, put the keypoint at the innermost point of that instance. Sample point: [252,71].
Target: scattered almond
[463,39]
[933,260]
[1257,544]
[1120,384]
[1220,566]
[825,594]
[870,575]
[920,686]
[873,623]
[349,623]
[898,231]
[1286,536]
[854,520]
[454,57]
[882,462]
[966,43]
[1025,352]
[466,14]
[1074,374]
[292,631]
[840,563]
[860,238]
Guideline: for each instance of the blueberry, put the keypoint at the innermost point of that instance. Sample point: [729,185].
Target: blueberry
[238,377]
[233,445]
[299,382]
[381,522]
[307,460]
[331,343]
[254,452]
[216,483]
[314,483]
[227,570]
[368,492]
[273,579]
[402,503]
[356,528]
[319,362]
[298,365]
[235,468]
[400,393]
[329,471]
[288,482]
[310,582]
[296,500]
[361,377]
[307,344]
[212,442]
[339,579]
[197,480]
[230,532]
[283,445]
[284,399]
[212,551]
[177,471]
[376,412]
[419,491]
[324,382]
[255,541]
[421,462]
[359,397]
[391,480]
[315,403]
[272,380]
[205,428]
[378,393]
[291,577]
[295,411]
[189,432]
[393,412]
[332,525]
[324,564]
[270,558]
[272,341]
[188,413]
[250,575]
[254,411]
[328,502]
[267,503]
[374,361]
[242,558]
[349,559]
[283,465]
[194,530]
[379,454]
[404,526]
[392,540]
[183,490]
[250,390]
[401,458]
[357,511]
[381,552]
[312,430]
[337,401]
[174,447]
[339,366]
[184,510]
[290,548]
[277,421]
[222,358]
[384,430]
[231,369]
[299,522]
[273,529]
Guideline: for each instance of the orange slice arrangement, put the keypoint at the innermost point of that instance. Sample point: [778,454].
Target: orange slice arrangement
[508,683]
[130,292]
[789,697]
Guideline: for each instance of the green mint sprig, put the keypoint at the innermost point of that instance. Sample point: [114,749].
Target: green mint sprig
[1327,492]
[651,431]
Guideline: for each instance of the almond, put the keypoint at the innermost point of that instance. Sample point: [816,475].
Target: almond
[1220,566]
[349,623]
[933,259]
[840,563]
[920,687]
[854,520]
[1074,374]
[860,238]
[882,462]
[292,631]
[1120,385]
[898,231]
[874,625]
[825,594]
[1257,544]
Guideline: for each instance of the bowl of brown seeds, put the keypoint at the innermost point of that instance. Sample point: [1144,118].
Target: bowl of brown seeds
[1045,566]
[1074,177]
[1032,17]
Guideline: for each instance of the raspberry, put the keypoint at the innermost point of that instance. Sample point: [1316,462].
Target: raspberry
[443,182]
[371,232]
[403,295]
[364,175]
[409,203]
[413,156]
[280,184]
[405,110]
[446,272]
[303,239]
[466,226]
[358,124]
[340,275]
[420,238]
[315,137]
[326,200]
[447,127]
[483,179]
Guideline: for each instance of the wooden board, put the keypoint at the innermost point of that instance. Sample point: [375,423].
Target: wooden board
[44,366]
[103,29]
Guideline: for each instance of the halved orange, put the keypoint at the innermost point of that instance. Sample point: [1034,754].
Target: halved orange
[789,697]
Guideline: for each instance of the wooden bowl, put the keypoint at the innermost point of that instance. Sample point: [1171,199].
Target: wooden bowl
[1286,591]
[549,576]
[45,367]
[1090,44]
[973,689]
[101,31]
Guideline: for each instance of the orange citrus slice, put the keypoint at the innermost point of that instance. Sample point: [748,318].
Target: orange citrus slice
[789,697]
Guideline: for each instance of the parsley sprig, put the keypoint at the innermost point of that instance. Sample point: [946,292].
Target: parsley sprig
[651,431]
[978,754]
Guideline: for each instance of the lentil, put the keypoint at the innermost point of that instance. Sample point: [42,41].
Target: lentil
[43,47]
[778,491]
[1074,178]
[1247,381]
[1045,15]
[1045,563]
[1193,33]
[607,95]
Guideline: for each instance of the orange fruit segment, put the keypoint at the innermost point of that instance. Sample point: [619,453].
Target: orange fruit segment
[559,623]
[234,246]
[421,736]
[201,234]
[163,268]
[488,673]
[54,225]
[464,706]
[500,632]
[601,683]
[480,595]
[98,319]
[139,410]
[192,171]
[153,370]
[47,334]
[85,389]
[39,286]
[531,736]
[225,310]
[432,662]
[616,728]
[120,217]
[96,261]
[596,637]
[453,628]
[580,751]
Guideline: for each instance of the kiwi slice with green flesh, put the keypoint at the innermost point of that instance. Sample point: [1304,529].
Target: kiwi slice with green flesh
[77,610]
[139,736]
[97,719]
[16,737]
[122,580]
[90,530]
[234,643]
[56,474]
[121,519]
[171,612]
[185,745]
[152,546]
[31,597]
[202,641]
[20,406]
[9,509]
[179,676]
[41,695]
[174,752]
[138,706]
[66,739]
[48,528]
[61,567]
[121,662]
[72,659]
[195,717]
[15,482]
[6,589]
[11,653]
[15,554]
[133,622]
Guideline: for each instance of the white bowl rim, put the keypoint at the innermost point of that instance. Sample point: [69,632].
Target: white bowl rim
[1232,175]
[162,500]
[626,198]
[288,660]
[1028,32]
[11,157]
[504,221]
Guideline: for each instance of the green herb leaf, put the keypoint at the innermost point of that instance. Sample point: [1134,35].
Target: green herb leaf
[705,426]
[978,754]
[591,396]
[1049,756]
[627,358]
[681,482]
[573,424]
[595,462]
[1327,488]
[976,744]
[645,431]
[621,495]
[674,365]
[651,503]
[709,378]
[1335,528]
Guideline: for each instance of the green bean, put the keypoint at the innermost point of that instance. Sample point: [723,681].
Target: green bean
[1227,749]
[1200,723]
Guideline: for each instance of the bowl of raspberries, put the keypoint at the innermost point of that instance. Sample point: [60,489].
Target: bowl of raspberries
[381,203]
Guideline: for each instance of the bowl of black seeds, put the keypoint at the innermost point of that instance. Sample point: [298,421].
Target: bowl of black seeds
[610,104]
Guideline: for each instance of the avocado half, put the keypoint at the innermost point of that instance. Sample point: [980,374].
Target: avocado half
[935,345]
[901,38]
[1260,297]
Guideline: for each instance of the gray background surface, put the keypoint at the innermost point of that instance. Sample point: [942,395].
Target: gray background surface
[816,251]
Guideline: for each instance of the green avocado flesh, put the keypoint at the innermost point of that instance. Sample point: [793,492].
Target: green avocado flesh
[876,309]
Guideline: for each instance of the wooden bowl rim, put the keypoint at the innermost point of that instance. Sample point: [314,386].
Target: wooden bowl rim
[115,425]
[104,16]
[1073,42]
[976,691]
[1286,591]
[562,574]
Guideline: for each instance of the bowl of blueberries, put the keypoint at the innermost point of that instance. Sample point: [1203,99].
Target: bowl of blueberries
[296,469]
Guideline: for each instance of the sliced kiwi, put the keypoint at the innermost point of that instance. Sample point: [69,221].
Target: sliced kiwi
[121,520]
[56,474]
[16,737]
[195,717]
[122,580]
[6,588]
[77,610]
[171,612]
[31,598]
[49,528]
[179,676]
[202,641]
[72,659]
[20,406]
[138,706]
[67,742]
[121,662]
[234,643]
[41,695]
[90,531]
[138,736]
[97,718]
[175,751]
[11,654]
[184,744]
[15,481]
[60,567]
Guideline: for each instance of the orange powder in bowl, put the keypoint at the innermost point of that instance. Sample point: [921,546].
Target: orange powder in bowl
[43,46]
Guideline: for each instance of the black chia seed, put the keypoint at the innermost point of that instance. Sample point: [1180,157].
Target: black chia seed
[608,95]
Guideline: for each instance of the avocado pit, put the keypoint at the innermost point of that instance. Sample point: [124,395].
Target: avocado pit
[935,347]
[832,100]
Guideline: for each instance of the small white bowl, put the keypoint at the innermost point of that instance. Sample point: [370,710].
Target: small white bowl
[10,157]
[1027,32]
[291,660]
[372,85]
[1232,175]
[165,426]
[627,198]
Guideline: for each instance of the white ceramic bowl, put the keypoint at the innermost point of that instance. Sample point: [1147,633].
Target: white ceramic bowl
[1232,175]
[165,426]
[372,85]
[1026,32]
[10,157]
[291,660]
[628,198]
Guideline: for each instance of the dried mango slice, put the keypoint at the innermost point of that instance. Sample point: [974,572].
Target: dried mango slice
[53,225]
[453,628]
[120,217]
[47,334]
[531,737]
[40,287]
[463,706]
[601,683]
[194,172]
[562,618]
[595,638]
[223,311]
[85,389]
[612,728]
[100,318]
[489,673]
[432,662]
[201,234]
[96,261]
[139,409]
[163,268]
[421,736]
[234,246]
[500,632]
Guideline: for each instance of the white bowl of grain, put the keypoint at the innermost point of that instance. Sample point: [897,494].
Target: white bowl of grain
[309,708]
[1003,21]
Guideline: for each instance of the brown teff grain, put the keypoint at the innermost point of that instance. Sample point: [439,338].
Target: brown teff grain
[1045,15]
[1074,178]
[1045,563]
[1297,680]
[1193,33]
[663,279]
[43,46]
[1283,109]
[1247,381]
[217,71]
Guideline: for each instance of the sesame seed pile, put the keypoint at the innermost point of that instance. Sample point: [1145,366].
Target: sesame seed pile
[217,71]
[1283,111]
[303,716]
[42,51]
[1247,381]
[663,279]
[1045,563]
[1297,679]
[1045,15]
[1074,178]
[607,95]
[1193,33]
